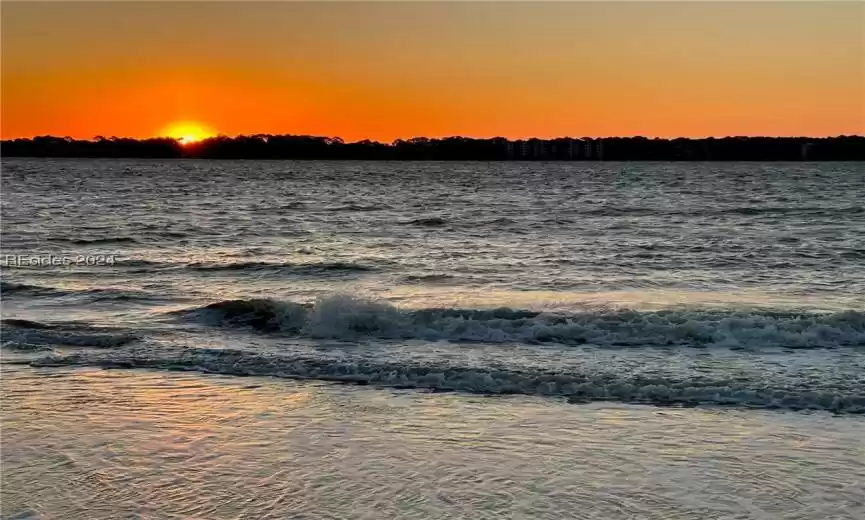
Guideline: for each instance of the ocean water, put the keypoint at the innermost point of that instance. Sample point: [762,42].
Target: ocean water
[534,340]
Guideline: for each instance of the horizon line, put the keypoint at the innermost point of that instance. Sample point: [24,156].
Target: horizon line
[454,136]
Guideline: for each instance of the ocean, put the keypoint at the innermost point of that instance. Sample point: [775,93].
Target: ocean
[256,339]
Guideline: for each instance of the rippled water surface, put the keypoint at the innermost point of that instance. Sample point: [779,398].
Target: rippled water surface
[502,319]
[138,444]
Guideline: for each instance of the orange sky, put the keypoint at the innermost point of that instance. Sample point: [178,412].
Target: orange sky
[395,70]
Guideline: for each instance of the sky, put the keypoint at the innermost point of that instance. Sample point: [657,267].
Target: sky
[388,70]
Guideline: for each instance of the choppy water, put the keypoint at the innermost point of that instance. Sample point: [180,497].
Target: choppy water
[691,284]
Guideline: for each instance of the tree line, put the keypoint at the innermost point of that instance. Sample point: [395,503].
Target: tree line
[266,146]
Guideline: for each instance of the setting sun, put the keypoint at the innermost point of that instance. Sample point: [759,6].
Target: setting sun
[188,132]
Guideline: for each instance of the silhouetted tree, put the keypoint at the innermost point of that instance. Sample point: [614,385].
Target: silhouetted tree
[267,146]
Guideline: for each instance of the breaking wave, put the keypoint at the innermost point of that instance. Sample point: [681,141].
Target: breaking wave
[349,318]
[573,384]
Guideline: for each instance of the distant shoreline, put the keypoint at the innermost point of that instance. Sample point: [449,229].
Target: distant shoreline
[291,147]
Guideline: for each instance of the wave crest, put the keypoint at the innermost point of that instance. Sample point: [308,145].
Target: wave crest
[311,268]
[95,294]
[33,335]
[10,288]
[349,318]
[427,222]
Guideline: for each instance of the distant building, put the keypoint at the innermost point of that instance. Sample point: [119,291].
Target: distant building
[587,149]
[562,149]
[574,146]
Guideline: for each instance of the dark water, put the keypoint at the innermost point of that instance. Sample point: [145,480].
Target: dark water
[689,283]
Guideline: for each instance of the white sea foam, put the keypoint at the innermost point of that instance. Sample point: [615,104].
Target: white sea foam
[348,318]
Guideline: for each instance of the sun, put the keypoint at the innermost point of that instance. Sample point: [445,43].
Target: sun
[187,132]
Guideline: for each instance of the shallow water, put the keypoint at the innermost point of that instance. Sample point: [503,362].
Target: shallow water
[511,293]
[142,444]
